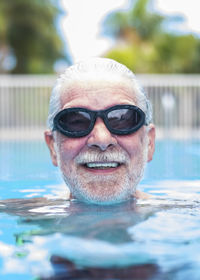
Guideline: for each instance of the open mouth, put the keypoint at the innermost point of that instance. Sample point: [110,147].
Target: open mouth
[102,165]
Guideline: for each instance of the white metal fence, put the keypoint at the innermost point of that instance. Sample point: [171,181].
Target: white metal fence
[24,104]
[176,104]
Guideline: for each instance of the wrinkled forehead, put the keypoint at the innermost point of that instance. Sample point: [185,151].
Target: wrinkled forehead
[70,89]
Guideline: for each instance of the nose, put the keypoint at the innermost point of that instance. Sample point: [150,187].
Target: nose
[100,137]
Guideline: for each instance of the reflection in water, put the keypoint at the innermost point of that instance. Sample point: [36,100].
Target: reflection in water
[156,238]
[70,271]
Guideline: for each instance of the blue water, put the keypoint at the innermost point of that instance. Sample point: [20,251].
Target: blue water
[26,164]
[52,238]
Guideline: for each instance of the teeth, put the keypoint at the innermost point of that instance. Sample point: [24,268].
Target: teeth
[102,165]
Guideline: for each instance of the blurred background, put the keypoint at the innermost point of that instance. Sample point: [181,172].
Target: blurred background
[158,40]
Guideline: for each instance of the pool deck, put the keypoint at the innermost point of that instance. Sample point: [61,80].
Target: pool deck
[38,134]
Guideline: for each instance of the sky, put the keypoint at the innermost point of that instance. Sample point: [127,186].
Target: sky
[80,26]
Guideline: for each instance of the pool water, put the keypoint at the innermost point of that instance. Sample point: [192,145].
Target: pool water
[46,237]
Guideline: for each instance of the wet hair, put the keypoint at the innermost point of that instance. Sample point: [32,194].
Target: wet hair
[96,69]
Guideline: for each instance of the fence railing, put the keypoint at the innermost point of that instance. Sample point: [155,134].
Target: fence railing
[24,104]
[176,104]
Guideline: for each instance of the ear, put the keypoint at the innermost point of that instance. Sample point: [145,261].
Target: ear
[151,144]
[49,139]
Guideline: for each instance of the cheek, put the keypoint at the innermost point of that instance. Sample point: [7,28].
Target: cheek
[128,143]
[70,148]
[133,144]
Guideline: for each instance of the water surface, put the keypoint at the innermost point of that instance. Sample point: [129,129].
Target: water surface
[45,236]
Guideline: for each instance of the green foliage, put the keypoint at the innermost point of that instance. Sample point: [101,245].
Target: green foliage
[28,34]
[133,57]
[147,24]
[177,54]
[145,47]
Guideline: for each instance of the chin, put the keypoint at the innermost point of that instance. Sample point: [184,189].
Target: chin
[104,197]
[102,201]
[102,191]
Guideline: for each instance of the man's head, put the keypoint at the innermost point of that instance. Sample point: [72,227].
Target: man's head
[102,160]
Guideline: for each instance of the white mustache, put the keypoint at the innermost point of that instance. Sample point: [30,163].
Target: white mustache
[94,156]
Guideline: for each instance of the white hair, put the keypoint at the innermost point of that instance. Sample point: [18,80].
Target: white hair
[96,69]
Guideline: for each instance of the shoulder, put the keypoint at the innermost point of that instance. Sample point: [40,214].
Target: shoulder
[141,195]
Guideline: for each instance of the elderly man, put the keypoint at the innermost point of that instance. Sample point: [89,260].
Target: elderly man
[100,132]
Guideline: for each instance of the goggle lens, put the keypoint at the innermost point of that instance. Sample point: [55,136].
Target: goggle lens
[119,119]
[123,119]
[75,121]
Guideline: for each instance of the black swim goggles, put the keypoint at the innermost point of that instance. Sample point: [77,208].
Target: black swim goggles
[119,119]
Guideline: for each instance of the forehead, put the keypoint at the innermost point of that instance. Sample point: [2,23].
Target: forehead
[97,94]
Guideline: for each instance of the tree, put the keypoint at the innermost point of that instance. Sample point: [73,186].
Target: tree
[143,44]
[137,20]
[28,36]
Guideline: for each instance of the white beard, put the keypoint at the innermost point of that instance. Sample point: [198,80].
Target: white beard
[97,189]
